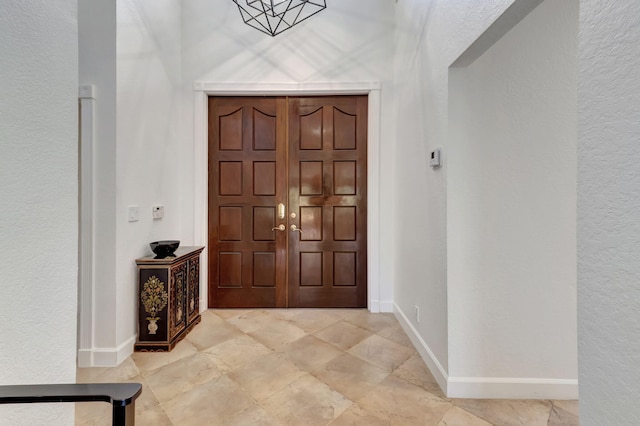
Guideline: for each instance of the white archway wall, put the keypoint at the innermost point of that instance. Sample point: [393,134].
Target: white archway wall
[512,212]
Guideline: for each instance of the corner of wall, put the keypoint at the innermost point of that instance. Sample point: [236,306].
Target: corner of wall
[433,364]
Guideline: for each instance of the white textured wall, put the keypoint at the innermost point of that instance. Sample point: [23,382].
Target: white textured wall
[38,207]
[430,36]
[609,212]
[512,205]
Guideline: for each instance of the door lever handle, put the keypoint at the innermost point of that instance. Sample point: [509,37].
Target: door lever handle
[280,227]
[295,228]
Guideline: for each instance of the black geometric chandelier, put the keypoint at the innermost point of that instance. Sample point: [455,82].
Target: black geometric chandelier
[275,16]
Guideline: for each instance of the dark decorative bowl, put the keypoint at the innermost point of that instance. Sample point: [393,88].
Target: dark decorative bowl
[164,249]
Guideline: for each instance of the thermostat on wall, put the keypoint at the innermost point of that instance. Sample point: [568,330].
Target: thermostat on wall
[435,158]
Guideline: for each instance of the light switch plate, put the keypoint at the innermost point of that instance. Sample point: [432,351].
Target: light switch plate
[157,211]
[435,160]
[134,213]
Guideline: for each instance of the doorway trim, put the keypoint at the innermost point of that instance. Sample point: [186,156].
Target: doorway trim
[203,89]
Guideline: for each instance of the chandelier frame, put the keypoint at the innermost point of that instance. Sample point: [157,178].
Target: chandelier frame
[272,17]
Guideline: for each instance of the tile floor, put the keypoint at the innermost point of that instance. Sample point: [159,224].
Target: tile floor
[301,367]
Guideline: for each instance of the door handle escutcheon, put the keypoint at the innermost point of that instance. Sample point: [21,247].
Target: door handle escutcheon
[295,228]
[280,227]
[281,211]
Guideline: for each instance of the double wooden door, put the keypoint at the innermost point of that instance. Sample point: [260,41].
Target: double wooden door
[287,202]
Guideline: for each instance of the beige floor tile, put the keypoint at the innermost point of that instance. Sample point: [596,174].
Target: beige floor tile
[415,371]
[352,312]
[350,375]
[147,361]
[284,314]
[251,320]
[343,334]
[209,318]
[312,320]
[209,404]
[86,375]
[220,375]
[266,375]
[570,406]
[252,416]
[560,417]
[382,352]
[147,399]
[396,334]
[227,314]
[456,416]
[236,352]
[309,352]
[356,416]
[181,375]
[277,333]
[307,401]
[402,403]
[93,414]
[204,337]
[372,322]
[508,412]
[154,416]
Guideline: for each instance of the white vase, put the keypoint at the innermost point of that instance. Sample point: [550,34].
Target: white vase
[153,326]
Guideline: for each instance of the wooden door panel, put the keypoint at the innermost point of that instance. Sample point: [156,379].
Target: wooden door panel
[264,178]
[344,177]
[344,223]
[264,137]
[312,224]
[246,182]
[264,219]
[264,269]
[309,154]
[327,191]
[344,135]
[311,178]
[230,125]
[230,270]
[310,122]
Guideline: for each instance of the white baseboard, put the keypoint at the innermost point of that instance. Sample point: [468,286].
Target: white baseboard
[377,306]
[85,358]
[423,349]
[486,387]
[106,357]
[511,388]
[386,306]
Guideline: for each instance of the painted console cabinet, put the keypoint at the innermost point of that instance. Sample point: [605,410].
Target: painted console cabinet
[168,299]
